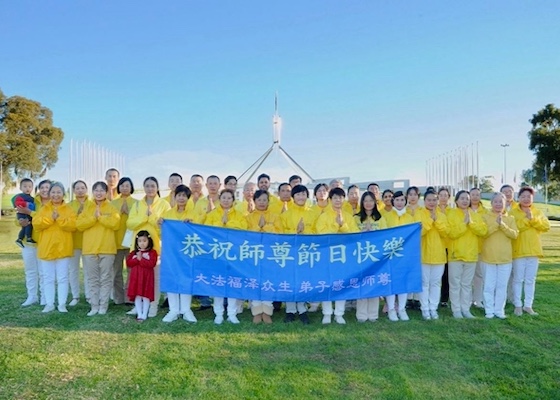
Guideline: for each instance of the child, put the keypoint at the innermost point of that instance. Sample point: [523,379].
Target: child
[25,200]
[142,261]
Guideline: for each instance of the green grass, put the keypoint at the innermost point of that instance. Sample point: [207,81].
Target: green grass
[72,356]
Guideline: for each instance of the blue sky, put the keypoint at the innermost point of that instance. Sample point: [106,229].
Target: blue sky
[367,89]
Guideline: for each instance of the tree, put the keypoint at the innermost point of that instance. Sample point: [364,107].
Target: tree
[29,142]
[535,178]
[483,183]
[544,141]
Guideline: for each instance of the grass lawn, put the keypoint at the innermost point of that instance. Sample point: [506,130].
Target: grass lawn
[71,356]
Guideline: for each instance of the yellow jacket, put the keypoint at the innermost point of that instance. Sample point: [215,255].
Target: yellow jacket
[497,244]
[514,204]
[119,234]
[242,207]
[347,207]
[272,221]
[393,219]
[235,219]
[326,222]
[381,223]
[528,243]
[434,234]
[414,212]
[55,236]
[176,215]
[290,219]
[77,235]
[278,206]
[99,233]
[481,210]
[463,244]
[201,209]
[139,220]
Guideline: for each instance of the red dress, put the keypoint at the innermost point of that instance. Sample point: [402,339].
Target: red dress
[141,281]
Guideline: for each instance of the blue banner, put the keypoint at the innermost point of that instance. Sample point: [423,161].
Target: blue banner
[203,260]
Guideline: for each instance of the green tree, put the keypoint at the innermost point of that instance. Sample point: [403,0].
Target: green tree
[535,178]
[544,141]
[29,142]
[484,183]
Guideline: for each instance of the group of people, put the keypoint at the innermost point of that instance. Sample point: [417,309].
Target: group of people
[469,253]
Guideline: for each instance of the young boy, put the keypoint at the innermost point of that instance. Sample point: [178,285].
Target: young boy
[25,199]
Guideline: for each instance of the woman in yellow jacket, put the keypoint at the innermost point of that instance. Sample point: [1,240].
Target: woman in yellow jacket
[527,249]
[79,188]
[179,303]
[299,219]
[99,221]
[465,229]
[443,206]
[368,219]
[496,256]
[387,205]
[398,216]
[144,216]
[123,203]
[478,280]
[31,264]
[262,220]
[335,220]
[434,256]
[55,222]
[226,216]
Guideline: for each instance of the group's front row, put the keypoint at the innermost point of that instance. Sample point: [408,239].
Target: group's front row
[464,239]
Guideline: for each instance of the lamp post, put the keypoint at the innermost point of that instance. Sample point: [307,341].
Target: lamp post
[505,146]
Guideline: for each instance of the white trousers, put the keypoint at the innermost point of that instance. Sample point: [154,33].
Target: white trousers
[292,307]
[231,306]
[100,273]
[524,278]
[367,309]
[31,270]
[339,307]
[258,307]
[496,278]
[74,274]
[478,283]
[461,275]
[391,301]
[431,286]
[55,271]
[179,303]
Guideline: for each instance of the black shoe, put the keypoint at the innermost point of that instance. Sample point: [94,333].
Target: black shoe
[277,305]
[19,242]
[443,304]
[290,317]
[416,305]
[409,304]
[304,319]
[202,308]
[29,240]
[165,304]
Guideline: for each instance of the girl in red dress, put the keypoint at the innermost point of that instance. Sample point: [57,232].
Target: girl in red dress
[142,261]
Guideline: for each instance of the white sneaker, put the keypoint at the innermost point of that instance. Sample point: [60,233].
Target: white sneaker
[489,316]
[73,302]
[62,308]
[501,316]
[48,308]
[403,315]
[29,302]
[340,319]
[326,319]
[153,311]
[189,316]
[102,310]
[132,312]
[434,314]
[233,319]
[393,315]
[468,315]
[313,308]
[170,317]
[457,315]
[426,315]
[219,319]
[92,312]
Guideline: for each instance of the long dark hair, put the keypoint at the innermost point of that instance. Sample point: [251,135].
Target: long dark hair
[376,215]
[144,234]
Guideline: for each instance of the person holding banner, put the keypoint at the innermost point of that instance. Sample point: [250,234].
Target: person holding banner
[465,229]
[434,255]
[368,219]
[496,256]
[179,303]
[263,220]
[398,216]
[225,216]
[335,220]
[299,219]
[144,216]
[527,249]
[99,221]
